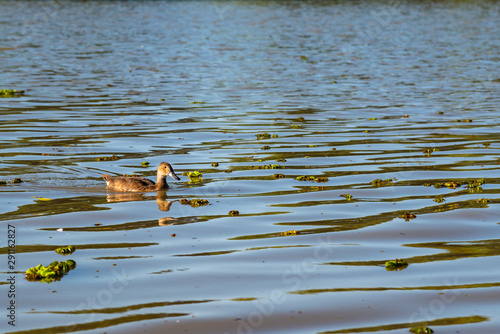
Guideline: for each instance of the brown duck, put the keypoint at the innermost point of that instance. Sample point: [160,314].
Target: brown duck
[127,183]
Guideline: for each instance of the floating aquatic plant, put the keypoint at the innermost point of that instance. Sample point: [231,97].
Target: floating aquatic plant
[264,135]
[234,213]
[50,273]
[312,178]
[380,182]
[421,330]
[407,216]
[291,232]
[65,250]
[452,184]
[195,202]
[111,158]
[439,199]
[482,200]
[268,167]
[11,92]
[398,264]
[194,177]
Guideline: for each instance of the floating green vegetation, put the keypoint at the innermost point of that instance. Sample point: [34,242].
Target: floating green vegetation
[268,167]
[347,196]
[482,200]
[215,164]
[471,184]
[264,135]
[278,176]
[234,213]
[145,164]
[265,147]
[398,264]
[195,202]
[65,250]
[11,92]
[407,216]
[295,126]
[16,180]
[380,182]
[52,272]
[439,199]
[312,178]
[421,330]
[194,177]
[197,102]
[291,232]
[111,158]
[452,184]
[429,151]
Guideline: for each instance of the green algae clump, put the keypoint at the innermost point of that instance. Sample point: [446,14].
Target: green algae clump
[65,250]
[194,177]
[111,158]
[318,179]
[398,264]
[50,273]
[195,202]
[421,330]
[11,93]
[380,182]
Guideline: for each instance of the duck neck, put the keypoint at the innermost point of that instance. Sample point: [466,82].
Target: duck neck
[161,182]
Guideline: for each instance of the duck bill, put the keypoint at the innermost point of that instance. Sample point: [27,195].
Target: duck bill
[173,176]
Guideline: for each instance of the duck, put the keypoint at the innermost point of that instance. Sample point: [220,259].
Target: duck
[141,184]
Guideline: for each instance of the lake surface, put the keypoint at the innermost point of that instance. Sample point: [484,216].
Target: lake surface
[406,93]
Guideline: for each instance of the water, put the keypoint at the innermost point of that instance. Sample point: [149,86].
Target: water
[403,91]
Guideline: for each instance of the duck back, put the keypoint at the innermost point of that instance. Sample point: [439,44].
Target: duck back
[127,183]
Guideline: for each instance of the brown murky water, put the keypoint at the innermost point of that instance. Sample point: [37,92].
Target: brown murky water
[403,92]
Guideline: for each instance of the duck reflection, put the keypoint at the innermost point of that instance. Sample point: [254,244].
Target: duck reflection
[161,200]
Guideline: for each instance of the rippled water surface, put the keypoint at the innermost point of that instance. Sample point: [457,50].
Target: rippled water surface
[403,92]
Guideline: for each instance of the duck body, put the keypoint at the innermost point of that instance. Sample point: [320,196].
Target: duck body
[141,184]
